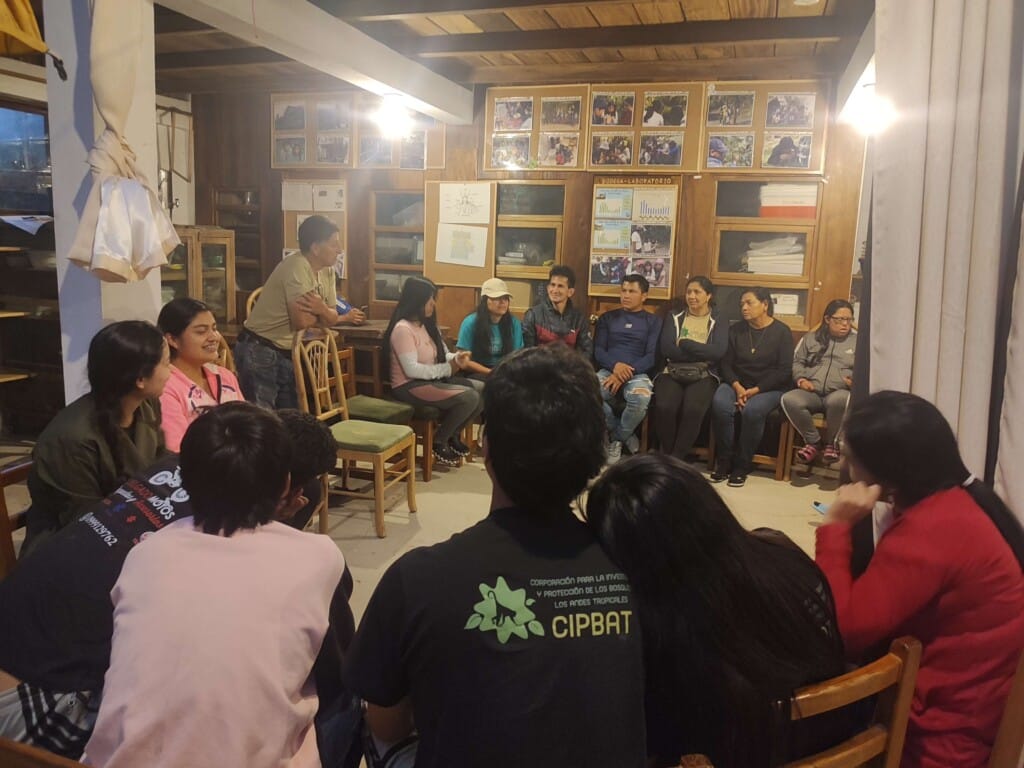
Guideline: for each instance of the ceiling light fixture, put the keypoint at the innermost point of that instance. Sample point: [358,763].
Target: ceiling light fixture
[393,118]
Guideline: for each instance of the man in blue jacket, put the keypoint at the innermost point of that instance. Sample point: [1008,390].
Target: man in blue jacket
[625,343]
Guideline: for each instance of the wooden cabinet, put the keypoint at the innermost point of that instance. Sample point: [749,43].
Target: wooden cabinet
[238,209]
[765,235]
[396,246]
[203,267]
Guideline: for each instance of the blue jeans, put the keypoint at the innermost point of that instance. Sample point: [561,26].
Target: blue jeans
[637,394]
[266,376]
[752,419]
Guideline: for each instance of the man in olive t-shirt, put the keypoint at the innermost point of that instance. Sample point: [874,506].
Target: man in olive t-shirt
[300,293]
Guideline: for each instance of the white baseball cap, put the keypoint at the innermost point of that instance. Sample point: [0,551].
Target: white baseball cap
[495,288]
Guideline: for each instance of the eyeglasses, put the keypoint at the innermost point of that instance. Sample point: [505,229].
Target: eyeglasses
[842,320]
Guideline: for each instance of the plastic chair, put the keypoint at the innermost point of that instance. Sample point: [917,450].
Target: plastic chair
[390,449]
[880,744]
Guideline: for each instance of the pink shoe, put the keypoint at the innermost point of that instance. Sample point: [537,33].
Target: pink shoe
[808,453]
[831,455]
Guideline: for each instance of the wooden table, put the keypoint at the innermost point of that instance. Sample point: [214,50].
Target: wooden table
[368,339]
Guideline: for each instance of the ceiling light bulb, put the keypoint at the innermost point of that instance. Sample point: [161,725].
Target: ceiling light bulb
[393,118]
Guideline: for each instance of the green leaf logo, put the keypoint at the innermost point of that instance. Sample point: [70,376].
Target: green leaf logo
[504,611]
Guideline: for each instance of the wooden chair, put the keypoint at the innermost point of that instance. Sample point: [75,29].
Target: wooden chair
[880,745]
[790,435]
[776,462]
[389,448]
[251,301]
[11,474]
[224,357]
[16,755]
[1009,745]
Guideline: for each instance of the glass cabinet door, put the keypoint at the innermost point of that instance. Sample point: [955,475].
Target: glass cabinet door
[398,248]
[526,251]
[215,282]
[766,252]
[175,275]
[531,199]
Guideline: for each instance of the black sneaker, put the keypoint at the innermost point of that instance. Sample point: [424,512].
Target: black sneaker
[445,455]
[721,471]
[459,447]
[737,479]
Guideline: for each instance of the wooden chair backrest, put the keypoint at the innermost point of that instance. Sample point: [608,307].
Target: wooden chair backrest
[16,755]
[224,357]
[251,301]
[10,474]
[890,678]
[1009,745]
[347,360]
[319,386]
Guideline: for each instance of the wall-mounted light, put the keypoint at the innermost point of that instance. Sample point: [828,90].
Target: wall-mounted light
[393,118]
[865,110]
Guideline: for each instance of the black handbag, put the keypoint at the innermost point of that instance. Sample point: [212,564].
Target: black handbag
[687,373]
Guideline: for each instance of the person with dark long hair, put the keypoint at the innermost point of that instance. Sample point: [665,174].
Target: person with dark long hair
[692,342]
[491,332]
[756,369]
[732,621]
[94,444]
[197,382]
[823,373]
[947,570]
[423,371]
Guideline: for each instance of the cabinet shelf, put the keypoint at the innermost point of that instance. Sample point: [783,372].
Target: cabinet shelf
[7,375]
[169,276]
[417,268]
[238,208]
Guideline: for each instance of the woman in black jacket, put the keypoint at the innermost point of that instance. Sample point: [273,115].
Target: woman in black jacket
[756,370]
[692,342]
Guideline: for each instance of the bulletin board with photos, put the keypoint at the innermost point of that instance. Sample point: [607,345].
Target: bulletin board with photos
[301,199]
[653,127]
[633,231]
[776,126]
[535,128]
[336,130]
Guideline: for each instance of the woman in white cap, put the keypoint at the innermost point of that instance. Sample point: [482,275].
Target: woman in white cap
[491,332]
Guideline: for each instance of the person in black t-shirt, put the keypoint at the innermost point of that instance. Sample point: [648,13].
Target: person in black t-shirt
[513,643]
[756,370]
[55,647]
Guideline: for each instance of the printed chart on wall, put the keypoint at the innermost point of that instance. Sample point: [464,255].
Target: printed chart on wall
[633,233]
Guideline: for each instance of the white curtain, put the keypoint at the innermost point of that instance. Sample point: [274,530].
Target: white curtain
[944,181]
[1009,478]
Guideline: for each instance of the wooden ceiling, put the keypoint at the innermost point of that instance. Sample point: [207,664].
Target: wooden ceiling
[507,42]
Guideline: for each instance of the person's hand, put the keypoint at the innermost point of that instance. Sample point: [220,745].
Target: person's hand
[292,506]
[741,395]
[312,303]
[462,358]
[853,502]
[805,385]
[354,317]
[623,372]
[849,381]
[612,384]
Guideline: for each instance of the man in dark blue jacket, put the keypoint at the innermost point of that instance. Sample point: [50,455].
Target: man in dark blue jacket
[625,343]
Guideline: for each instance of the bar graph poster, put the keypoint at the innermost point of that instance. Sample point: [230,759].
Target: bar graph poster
[654,204]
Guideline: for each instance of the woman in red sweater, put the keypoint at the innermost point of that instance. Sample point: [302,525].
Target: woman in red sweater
[948,571]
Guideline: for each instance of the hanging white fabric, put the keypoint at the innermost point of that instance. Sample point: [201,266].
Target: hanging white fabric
[124,232]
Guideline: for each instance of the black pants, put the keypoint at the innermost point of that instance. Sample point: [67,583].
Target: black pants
[679,411]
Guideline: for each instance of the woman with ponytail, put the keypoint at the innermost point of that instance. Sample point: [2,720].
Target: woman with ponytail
[947,570]
[112,432]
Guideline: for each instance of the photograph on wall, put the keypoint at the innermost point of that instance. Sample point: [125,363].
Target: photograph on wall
[510,151]
[655,204]
[513,113]
[560,113]
[790,110]
[559,150]
[664,108]
[289,116]
[612,108]
[650,240]
[332,148]
[731,109]
[290,150]
[661,149]
[654,268]
[374,151]
[333,116]
[608,270]
[786,150]
[613,202]
[611,149]
[731,150]
[412,151]
[611,235]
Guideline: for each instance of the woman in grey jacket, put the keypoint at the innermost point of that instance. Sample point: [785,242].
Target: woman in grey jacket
[823,372]
[693,335]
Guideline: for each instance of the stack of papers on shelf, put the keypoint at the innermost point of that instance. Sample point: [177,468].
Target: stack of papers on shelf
[779,256]
[789,201]
[786,303]
[512,257]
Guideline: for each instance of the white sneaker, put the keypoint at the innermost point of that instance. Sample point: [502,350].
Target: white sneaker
[614,451]
[633,444]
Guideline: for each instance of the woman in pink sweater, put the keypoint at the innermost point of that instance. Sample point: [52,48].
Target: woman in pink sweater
[948,570]
[196,382]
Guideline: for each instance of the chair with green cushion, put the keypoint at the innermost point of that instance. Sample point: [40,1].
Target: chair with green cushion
[389,449]
[364,407]
[424,422]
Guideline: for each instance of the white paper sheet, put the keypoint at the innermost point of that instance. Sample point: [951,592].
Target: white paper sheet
[328,197]
[465,203]
[296,196]
[462,245]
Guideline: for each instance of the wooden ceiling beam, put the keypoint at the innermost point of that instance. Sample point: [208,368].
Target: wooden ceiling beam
[224,57]
[736,32]
[388,10]
[167,22]
[768,68]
